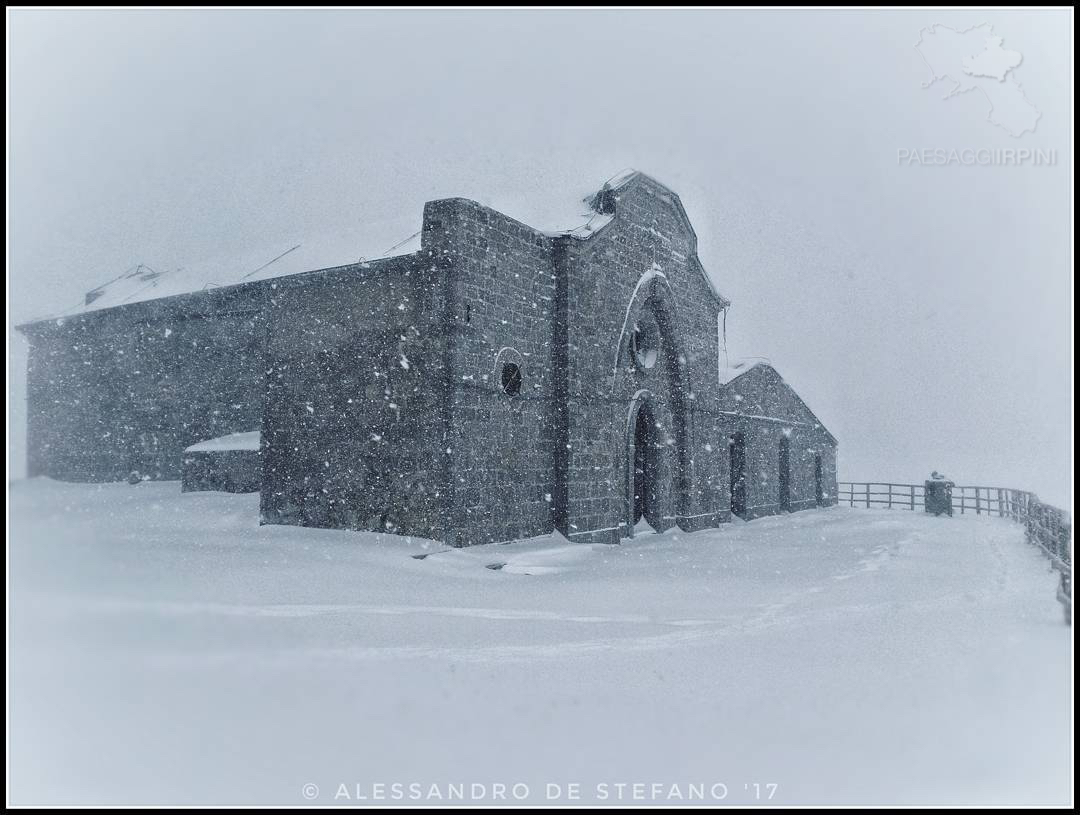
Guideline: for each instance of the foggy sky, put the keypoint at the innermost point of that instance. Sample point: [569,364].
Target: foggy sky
[924,313]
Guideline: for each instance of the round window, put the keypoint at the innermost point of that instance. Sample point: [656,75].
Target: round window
[511,379]
[645,342]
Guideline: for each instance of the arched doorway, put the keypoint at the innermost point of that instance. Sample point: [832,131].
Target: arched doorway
[737,480]
[785,474]
[648,472]
[651,358]
[645,474]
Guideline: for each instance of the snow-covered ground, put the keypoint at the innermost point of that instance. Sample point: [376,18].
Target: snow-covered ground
[166,649]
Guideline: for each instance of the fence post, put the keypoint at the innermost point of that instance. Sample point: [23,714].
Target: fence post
[890,496]
[868,496]
[978,508]
[912,497]
[1001,503]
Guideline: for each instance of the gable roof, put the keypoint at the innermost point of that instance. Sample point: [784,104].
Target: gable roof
[738,381]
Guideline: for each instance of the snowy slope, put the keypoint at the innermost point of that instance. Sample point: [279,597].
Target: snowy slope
[166,649]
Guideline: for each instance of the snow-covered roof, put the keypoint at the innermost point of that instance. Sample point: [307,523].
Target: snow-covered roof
[587,210]
[281,256]
[277,257]
[621,179]
[736,368]
[233,441]
[594,223]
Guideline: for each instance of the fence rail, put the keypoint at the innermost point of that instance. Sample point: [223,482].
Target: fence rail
[1045,526]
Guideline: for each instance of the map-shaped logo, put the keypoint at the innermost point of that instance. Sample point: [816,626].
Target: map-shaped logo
[975,59]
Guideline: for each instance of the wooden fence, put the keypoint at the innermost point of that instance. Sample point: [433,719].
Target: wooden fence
[1045,526]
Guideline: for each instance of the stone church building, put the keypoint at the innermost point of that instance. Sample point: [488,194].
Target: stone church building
[498,382]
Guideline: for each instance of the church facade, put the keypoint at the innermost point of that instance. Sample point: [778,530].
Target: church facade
[500,382]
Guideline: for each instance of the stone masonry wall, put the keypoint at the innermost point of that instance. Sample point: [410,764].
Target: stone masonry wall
[354,428]
[501,287]
[128,388]
[649,237]
[765,409]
